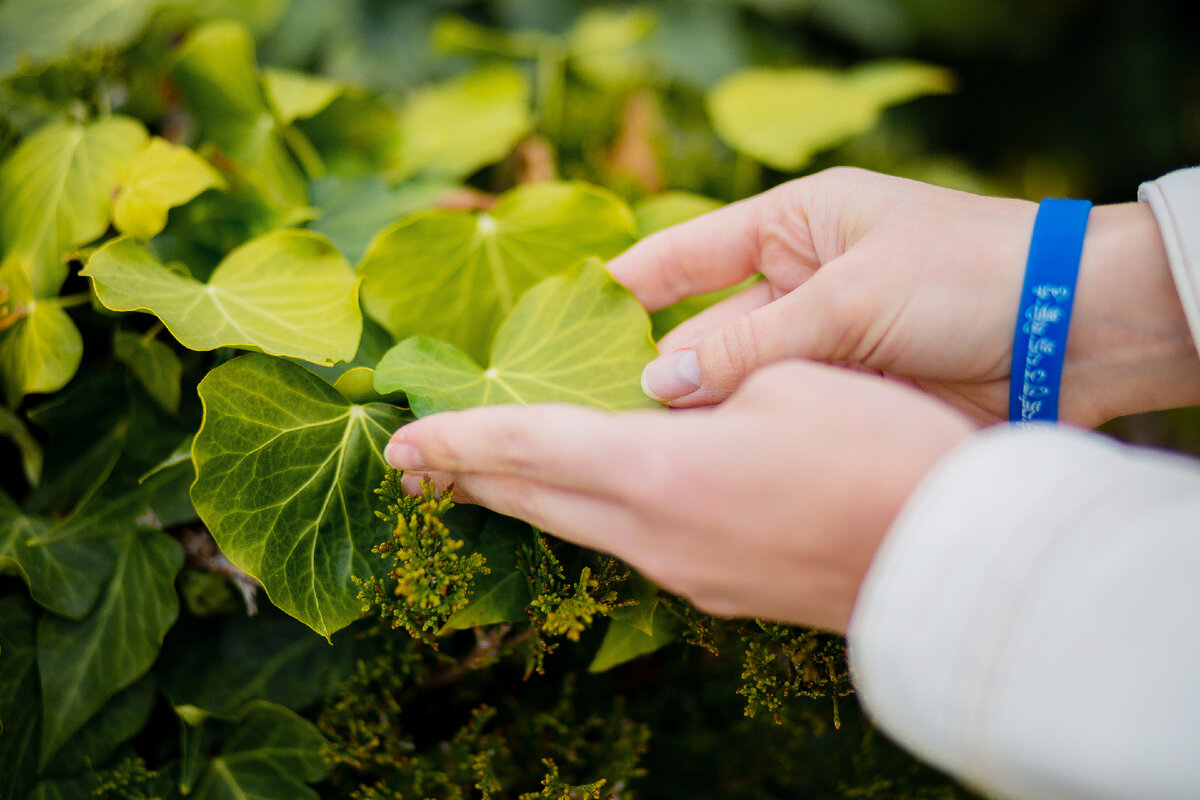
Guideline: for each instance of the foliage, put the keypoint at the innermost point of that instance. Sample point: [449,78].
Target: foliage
[242,242]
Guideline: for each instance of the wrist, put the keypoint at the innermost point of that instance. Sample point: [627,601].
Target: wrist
[1130,348]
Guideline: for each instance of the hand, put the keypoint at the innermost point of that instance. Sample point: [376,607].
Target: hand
[770,505]
[913,282]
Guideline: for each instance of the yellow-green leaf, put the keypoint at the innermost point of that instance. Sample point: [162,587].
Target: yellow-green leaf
[297,95]
[454,128]
[454,275]
[783,117]
[160,177]
[576,339]
[42,350]
[287,293]
[56,193]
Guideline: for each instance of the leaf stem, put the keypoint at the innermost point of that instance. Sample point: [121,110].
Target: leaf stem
[71,300]
[154,331]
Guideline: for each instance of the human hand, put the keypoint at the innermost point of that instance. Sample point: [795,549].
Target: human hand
[914,282]
[770,505]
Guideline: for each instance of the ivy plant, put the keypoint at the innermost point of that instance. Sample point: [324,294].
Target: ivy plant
[233,260]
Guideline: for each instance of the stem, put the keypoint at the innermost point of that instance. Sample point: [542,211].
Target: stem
[551,86]
[154,331]
[70,300]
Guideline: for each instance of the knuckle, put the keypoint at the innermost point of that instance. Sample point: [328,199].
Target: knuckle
[735,350]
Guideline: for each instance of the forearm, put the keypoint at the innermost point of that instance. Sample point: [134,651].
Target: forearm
[1029,622]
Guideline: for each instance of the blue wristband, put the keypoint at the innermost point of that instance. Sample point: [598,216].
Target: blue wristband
[1040,341]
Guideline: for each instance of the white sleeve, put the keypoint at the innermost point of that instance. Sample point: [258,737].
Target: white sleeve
[1031,623]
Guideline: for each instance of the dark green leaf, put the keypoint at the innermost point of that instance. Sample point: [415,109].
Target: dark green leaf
[503,593]
[116,722]
[20,709]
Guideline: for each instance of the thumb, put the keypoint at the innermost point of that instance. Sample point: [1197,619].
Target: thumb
[709,368]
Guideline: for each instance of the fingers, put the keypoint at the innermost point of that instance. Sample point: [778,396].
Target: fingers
[749,299]
[809,322]
[566,446]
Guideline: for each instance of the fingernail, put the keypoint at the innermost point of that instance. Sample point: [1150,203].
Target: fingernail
[403,456]
[672,376]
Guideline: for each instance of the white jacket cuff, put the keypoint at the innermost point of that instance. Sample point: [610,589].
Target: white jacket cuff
[1175,201]
[1031,623]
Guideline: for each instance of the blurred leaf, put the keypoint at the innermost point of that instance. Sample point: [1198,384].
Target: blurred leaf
[354,210]
[289,293]
[303,530]
[580,339]
[503,593]
[216,70]
[624,642]
[605,45]
[270,754]
[296,95]
[160,177]
[56,193]
[223,664]
[31,452]
[20,709]
[783,117]
[119,720]
[39,31]
[153,363]
[452,129]
[453,275]
[660,211]
[65,578]
[82,664]
[42,350]
[455,34]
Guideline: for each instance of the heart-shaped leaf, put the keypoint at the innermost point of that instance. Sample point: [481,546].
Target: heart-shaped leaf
[577,339]
[286,472]
[289,292]
[160,177]
[454,275]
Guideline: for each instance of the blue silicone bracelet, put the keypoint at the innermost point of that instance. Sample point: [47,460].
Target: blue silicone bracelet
[1040,341]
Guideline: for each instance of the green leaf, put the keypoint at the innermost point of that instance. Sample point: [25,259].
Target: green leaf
[454,275]
[222,664]
[783,117]
[452,129]
[39,31]
[81,788]
[503,593]
[287,293]
[31,452]
[579,339]
[270,754]
[640,615]
[353,210]
[153,364]
[56,193]
[286,470]
[216,70]
[20,707]
[606,45]
[624,642]
[66,577]
[160,177]
[661,211]
[119,720]
[296,95]
[41,353]
[82,664]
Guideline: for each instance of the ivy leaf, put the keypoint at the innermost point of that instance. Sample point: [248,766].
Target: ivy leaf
[221,665]
[20,709]
[56,193]
[624,642]
[783,117]
[153,364]
[286,470]
[270,754]
[31,452]
[82,664]
[216,70]
[119,720]
[288,293]
[66,577]
[454,275]
[606,46]
[502,594]
[580,339]
[41,353]
[452,129]
[39,31]
[160,177]
[640,615]
[296,95]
